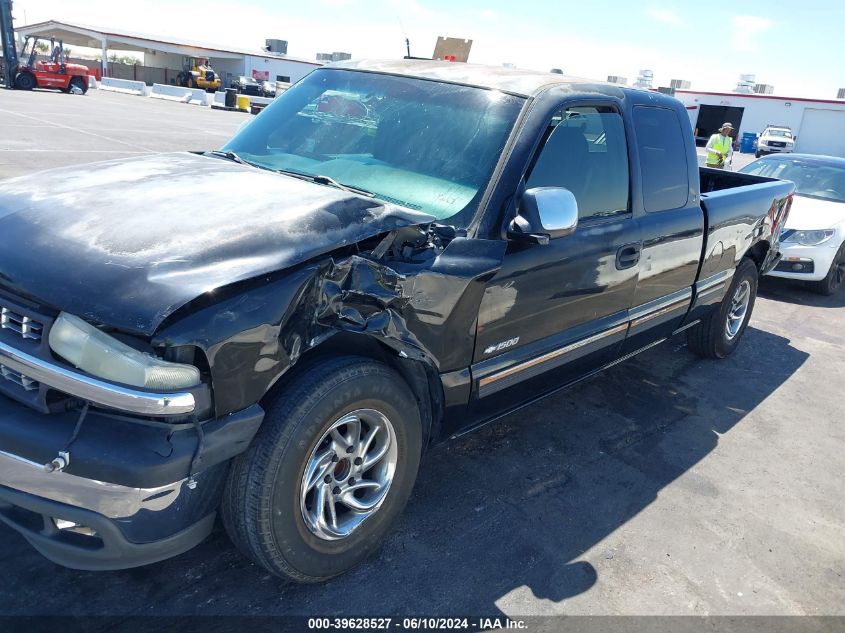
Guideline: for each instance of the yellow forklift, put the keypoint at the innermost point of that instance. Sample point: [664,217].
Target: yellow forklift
[198,73]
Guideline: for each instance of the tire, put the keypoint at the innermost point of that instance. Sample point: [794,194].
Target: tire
[835,276]
[264,510]
[757,154]
[25,81]
[80,83]
[714,336]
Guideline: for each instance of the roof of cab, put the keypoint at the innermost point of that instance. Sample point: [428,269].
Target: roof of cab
[513,80]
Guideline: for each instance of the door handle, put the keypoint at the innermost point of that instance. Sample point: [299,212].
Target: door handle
[628,256]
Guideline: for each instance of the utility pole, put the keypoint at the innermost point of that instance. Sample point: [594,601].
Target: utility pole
[10,55]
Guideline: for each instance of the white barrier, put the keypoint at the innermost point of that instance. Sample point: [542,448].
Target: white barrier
[195,96]
[122,85]
[92,82]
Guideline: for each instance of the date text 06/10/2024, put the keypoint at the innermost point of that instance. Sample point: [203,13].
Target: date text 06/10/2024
[414,624]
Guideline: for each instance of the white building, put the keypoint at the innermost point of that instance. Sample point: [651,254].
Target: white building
[167,53]
[818,124]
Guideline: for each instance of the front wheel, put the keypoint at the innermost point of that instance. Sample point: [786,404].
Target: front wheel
[328,473]
[25,81]
[718,334]
[835,276]
[79,83]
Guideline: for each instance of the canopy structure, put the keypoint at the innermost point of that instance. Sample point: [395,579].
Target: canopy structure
[94,37]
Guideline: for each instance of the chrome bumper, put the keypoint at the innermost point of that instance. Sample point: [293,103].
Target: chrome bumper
[94,390]
[110,500]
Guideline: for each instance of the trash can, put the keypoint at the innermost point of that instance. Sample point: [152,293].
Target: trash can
[231,97]
[243,102]
[746,146]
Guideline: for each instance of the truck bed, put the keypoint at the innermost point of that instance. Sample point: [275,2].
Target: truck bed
[740,205]
[719,179]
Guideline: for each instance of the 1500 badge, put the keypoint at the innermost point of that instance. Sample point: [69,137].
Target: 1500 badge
[498,347]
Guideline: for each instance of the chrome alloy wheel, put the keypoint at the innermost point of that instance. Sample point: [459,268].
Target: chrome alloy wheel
[739,309]
[348,474]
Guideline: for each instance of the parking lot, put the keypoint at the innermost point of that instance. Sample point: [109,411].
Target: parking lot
[667,485]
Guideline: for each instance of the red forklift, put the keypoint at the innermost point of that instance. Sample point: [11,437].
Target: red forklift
[31,70]
[50,70]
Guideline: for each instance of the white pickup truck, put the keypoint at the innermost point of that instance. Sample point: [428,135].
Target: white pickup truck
[775,139]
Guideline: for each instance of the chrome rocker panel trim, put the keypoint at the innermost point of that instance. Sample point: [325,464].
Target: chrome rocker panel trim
[94,390]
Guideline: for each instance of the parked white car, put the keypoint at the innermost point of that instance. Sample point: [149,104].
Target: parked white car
[775,140]
[813,238]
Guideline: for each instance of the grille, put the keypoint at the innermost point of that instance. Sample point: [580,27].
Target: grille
[24,381]
[25,326]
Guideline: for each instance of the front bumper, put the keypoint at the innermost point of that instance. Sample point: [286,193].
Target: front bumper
[766,149]
[78,538]
[132,494]
[815,261]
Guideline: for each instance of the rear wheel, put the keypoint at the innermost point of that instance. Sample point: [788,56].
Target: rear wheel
[25,81]
[80,83]
[835,276]
[328,473]
[719,333]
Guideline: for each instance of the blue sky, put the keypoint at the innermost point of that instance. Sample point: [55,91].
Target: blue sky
[797,47]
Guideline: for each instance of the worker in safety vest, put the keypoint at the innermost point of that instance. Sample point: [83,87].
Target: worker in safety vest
[720,147]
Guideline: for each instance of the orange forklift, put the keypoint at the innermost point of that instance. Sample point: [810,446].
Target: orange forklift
[49,71]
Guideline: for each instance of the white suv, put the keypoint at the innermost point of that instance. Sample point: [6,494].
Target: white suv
[775,139]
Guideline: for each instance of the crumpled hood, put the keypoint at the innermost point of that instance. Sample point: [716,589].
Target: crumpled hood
[126,243]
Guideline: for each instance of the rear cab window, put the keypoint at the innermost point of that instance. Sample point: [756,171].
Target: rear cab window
[663,158]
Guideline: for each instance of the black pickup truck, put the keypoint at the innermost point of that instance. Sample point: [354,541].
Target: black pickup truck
[425,247]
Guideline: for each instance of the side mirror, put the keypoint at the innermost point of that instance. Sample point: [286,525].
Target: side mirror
[545,213]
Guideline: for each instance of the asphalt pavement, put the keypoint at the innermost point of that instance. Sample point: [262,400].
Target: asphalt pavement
[667,485]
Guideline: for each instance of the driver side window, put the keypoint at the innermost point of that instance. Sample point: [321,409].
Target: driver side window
[585,151]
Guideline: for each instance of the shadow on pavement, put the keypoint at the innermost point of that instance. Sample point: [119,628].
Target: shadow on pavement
[507,511]
[795,292]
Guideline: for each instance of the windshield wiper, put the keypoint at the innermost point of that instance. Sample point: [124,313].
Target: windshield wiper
[325,180]
[229,155]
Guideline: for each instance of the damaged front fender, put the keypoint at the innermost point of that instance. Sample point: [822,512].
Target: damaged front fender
[420,302]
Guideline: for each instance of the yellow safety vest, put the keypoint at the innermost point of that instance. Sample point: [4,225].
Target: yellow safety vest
[721,145]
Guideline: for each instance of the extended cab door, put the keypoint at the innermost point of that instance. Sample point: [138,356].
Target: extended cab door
[671,222]
[554,312]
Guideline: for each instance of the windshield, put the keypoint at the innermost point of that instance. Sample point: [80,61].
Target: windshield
[781,133]
[812,179]
[422,144]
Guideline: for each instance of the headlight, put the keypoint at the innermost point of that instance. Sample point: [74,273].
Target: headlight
[101,355]
[810,238]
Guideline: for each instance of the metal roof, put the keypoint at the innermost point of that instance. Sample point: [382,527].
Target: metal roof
[90,36]
[754,95]
[512,80]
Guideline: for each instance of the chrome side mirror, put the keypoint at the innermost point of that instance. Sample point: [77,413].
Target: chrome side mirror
[545,213]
